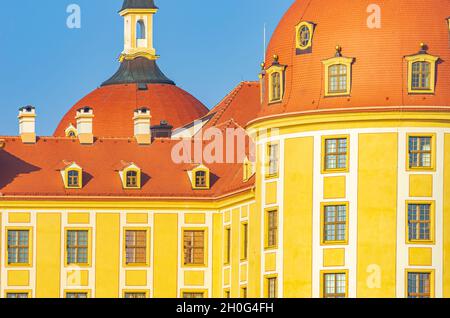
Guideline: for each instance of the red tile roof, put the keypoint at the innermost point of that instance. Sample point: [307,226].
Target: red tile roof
[241,105]
[379,73]
[114,106]
[33,170]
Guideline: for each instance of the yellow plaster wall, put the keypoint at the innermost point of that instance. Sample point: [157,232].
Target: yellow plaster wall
[334,187]
[333,257]
[298,195]
[420,256]
[446,263]
[165,273]
[235,257]
[217,254]
[107,261]
[19,217]
[377,213]
[420,185]
[48,255]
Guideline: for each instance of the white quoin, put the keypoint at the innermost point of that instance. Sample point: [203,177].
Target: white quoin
[85,118]
[27,124]
[142,131]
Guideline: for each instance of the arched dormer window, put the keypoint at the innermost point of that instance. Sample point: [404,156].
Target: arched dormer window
[200,178]
[140,30]
[275,75]
[421,72]
[130,174]
[72,175]
[71,132]
[338,75]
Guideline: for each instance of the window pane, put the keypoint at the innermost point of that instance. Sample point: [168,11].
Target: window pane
[335,223]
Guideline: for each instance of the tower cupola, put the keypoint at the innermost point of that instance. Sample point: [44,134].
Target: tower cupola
[138,29]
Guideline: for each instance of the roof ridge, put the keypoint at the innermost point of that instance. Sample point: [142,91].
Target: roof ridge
[227,102]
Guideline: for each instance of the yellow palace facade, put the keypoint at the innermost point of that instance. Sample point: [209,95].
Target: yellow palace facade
[348,195]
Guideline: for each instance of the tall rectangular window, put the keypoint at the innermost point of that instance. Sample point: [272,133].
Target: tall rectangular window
[273,163]
[335,223]
[244,293]
[419,222]
[337,78]
[421,75]
[336,152]
[194,247]
[18,246]
[244,240]
[419,285]
[77,247]
[335,285]
[272,287]
[136,246]
[272,228]
[420,152]
[227,255]
[276,86]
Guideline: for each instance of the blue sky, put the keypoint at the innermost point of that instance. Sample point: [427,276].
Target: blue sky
[207,47]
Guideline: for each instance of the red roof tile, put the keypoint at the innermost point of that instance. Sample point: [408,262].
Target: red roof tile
[379,72]
[29,170]
[114,107]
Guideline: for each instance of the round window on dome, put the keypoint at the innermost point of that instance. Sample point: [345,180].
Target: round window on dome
[304,36]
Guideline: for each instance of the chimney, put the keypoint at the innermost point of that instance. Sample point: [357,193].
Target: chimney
[27,124]
[163,130]
[142,131]
[84,119]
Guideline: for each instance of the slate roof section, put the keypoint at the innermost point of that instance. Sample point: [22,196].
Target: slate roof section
[138,70]
[138,4]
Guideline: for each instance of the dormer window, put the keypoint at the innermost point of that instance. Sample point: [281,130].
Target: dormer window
[200,178]
[304,35]
[73,179]
[421,72]
[421,75]
[130,175]
[275,75]
[71,132]
[132,179]
[276,86]
[338,75]
[72,175]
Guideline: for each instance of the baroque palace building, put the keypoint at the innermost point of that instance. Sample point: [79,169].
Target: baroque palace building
[348,194]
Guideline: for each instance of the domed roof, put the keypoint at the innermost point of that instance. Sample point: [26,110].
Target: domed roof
[379,71]
[114,106]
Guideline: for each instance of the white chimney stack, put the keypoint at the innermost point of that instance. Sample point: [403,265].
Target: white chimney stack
[142,131]
[84,118]
[27,124]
